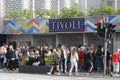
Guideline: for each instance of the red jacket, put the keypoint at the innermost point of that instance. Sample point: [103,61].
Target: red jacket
[115,56]
[81,57]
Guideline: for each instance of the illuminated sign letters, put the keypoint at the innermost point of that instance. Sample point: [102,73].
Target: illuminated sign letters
[66,24]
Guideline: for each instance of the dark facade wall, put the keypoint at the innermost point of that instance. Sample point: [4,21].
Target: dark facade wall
[92,39]
[68,39]
[71,39]
[2,39]
[39,40]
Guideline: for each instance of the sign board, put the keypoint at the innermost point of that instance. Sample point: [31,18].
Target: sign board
[66,24]
[105,18]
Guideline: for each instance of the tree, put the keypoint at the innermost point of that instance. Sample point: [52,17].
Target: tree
[26,14]
[14,14]
[46,13]
[39,13]
[93,12]
[106,9]
[118,11]
[65,12]
[103,9]
[74,11]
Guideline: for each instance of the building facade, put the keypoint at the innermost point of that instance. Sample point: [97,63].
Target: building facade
[55,5]
[63,31]
[37,32]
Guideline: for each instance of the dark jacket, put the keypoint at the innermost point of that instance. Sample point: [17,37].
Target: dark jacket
[10,54]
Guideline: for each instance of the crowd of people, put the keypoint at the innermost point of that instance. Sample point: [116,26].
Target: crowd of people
[10,57]
[83,58]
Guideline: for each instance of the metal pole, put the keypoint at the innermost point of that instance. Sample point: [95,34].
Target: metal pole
[105,54]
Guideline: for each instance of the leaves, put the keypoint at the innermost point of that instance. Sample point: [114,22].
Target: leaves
[25,14]
[94,12]
[103,9]
[106,9]
[46,13]
[71,12]
[12,14]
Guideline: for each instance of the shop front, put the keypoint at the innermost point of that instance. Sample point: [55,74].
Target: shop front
[68,31]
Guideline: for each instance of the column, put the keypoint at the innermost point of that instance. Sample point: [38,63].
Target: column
[58,7]
[33,8]
[84,39]
[77,1]
[26,4]
[115,5]
[32,40]
[67,3]
[1,9]
[47,4]
[57,40]
[1,15]
[85,7]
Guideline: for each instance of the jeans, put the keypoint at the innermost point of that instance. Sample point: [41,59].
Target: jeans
[99,61]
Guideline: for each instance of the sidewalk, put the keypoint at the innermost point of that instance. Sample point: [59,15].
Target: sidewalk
[84,74]
[80,74]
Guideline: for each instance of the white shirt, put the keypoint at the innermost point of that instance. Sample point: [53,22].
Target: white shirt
[75,57]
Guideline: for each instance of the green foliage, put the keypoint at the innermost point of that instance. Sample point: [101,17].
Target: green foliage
[94,12]
[26,14]
[45,13]
[39,13]
[71,12]
[65,12]
[74,11]
[118,11]
[13,14]
[106,9]
[103,9]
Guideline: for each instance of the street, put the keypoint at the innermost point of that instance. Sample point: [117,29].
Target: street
[21,76]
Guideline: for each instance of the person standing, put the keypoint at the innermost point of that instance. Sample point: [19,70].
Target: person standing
[55,62]
[115,62]
[1,58]
[99,58]
[74,61]
[89,56]
[81,59]
[11,56]
[62,59]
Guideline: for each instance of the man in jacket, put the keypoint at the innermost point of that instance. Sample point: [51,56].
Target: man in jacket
[115,62]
